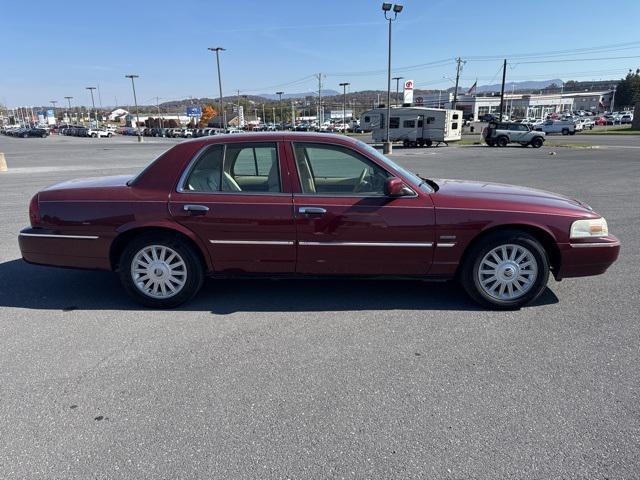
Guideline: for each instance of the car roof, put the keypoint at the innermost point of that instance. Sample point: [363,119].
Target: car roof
[277,136]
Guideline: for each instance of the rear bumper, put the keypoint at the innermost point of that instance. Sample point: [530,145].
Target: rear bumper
[587,258]
[47,247]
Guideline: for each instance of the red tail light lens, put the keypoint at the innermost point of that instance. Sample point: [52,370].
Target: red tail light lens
[34,211]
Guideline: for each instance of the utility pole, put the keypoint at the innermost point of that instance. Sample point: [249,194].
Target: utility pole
[223,115]
[320,112]
[93,104]
[69,103]
[613,98]
[459,62]
[281,116]
[293,115]
[273,116]
[264,117]
[160,122]
[504,75]
[397,79]
[344,105]
[135,100]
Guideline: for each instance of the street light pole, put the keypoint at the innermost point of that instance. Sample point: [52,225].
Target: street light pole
[135,101]
[397,79]
[281,117]
[386,7]
[344,105]
[222,112]
[69,103]
[93,104]
[52,102]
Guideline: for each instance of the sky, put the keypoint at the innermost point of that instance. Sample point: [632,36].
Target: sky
[56,49]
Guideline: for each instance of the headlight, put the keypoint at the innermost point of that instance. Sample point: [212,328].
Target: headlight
[596,227]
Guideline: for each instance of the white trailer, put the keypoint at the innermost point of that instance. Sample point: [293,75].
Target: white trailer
[414,126]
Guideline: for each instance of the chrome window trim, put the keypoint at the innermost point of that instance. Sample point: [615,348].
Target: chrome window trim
[196,157]
[52,235]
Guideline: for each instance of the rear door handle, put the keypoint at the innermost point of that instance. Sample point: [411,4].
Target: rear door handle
[312,210]
[196,209]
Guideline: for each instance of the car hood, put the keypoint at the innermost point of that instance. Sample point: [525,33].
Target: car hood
[497,196]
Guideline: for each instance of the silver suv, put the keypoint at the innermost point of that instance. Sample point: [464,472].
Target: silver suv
[500,134]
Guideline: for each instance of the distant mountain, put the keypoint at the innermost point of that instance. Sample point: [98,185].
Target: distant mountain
[325,93]
[526,85]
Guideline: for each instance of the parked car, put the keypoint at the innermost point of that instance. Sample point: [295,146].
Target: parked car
[347,210]
[626,119]
[501,134]
[587,122]
[37,132]
[98,133]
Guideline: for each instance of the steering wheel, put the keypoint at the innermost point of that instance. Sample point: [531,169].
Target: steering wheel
[361,182]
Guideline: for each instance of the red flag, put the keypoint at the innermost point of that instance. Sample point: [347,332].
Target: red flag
[473,88]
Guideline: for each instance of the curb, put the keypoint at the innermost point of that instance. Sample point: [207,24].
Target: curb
[3,163]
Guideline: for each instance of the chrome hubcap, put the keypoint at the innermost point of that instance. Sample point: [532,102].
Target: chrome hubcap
[507,272]
[158,271]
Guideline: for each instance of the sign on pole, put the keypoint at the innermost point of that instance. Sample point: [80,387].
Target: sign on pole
[408,91]
[194,112]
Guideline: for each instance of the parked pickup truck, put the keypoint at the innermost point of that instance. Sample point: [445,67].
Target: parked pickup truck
[503,133]
[565,127]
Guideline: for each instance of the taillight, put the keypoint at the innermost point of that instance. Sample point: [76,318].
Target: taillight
[34,211]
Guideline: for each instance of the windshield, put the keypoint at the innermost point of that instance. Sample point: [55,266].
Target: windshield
[421,182]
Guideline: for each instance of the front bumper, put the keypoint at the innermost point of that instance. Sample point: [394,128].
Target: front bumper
[582,259]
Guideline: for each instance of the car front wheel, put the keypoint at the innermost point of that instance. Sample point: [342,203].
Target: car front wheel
[160,272]
[506,270]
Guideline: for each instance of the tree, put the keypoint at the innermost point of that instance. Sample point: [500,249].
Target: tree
[628,90]
[208,112]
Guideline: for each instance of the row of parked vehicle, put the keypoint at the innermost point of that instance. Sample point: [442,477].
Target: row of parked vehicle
[25,132]
[79,131]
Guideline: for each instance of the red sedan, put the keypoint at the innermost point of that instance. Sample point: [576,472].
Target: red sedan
[283,204]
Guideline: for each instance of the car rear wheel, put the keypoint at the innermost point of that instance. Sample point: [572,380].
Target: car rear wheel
[502,141]
[506,270]
[565,131]
[160,272]
[537,142]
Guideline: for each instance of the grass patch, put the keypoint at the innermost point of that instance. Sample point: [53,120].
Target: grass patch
[467,141]
[571,145]
[612,131]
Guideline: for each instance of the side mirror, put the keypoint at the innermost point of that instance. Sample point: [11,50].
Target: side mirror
[394,187]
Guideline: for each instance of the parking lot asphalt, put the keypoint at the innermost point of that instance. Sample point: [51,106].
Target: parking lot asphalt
[319,378]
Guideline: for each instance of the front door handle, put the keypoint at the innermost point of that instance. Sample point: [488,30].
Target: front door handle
[312,210]
[196,209]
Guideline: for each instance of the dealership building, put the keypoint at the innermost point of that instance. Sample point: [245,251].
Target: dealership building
[520,105]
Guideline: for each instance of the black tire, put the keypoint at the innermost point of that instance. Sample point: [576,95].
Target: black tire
[565,131]
[193,266]
[469,276]
[94,135]
[502,141]
[537,142]
[109,135]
